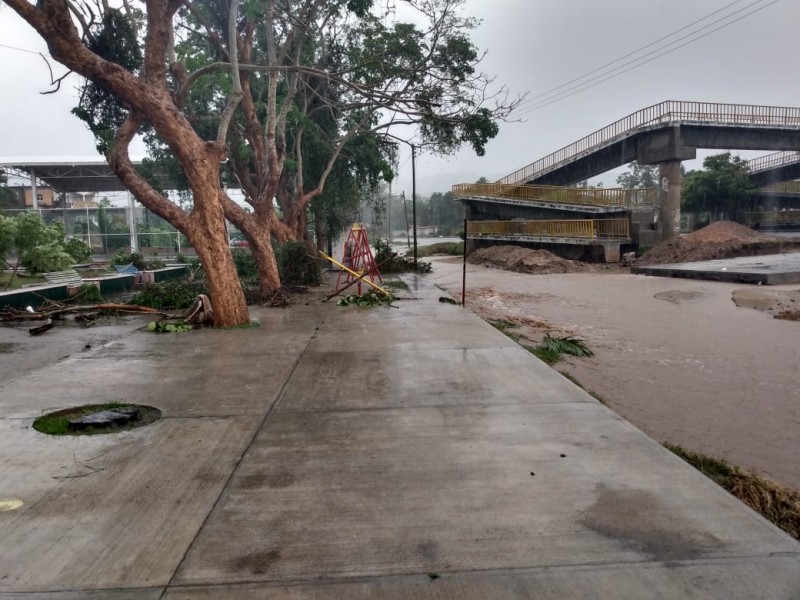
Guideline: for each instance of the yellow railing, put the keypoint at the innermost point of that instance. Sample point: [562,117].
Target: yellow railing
[786,187]
[572,228]
[671,111]
[771,161]
[565,195]
[783,217]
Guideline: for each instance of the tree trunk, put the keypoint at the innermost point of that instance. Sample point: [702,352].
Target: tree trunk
[207,235]
[256,227]
[319,229]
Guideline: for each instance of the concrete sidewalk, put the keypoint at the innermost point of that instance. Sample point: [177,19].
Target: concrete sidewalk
[359,453]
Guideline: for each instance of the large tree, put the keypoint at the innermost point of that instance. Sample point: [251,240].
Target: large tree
[322,84]
[76,36]
[723,188]
[253,84]
[639,177]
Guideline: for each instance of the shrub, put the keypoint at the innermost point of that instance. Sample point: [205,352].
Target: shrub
[297,266]
[89,292]
[389,262]
[246,266]
[78,249]
[168,295]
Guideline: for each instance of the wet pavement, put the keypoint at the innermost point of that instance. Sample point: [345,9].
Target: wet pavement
[769,269]
[410,452]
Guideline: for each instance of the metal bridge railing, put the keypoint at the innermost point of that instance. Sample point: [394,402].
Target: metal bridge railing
[564,195]
[772,161]
[665,112]
[569,228]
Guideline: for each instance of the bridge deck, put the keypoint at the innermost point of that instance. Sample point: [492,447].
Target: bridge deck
[665,114]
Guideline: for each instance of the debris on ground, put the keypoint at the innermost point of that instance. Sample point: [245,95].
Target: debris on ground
[524,260]
[781,304]
[721,239]
[367,299]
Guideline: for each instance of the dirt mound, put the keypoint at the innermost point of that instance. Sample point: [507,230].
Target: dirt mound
[523,260]
[723,239]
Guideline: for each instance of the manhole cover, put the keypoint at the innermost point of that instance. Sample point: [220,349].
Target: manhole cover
[96,418]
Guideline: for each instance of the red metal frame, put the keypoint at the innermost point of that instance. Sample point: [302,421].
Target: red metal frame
[357,256]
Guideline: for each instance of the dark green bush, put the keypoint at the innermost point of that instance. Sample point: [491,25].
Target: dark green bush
[168,295]
[246,266]
[297,266]
[78,249]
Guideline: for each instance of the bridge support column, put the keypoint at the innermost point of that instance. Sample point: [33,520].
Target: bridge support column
[669,214]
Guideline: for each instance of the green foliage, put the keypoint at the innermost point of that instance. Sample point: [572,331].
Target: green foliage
[141,262]
[78,250]
[246,266]
[113,38]
[371,298]
[297,266]
[723,188]
[566,345]
[58,423]
[169,326]
[390,262]
[396,284]
[450,248]
[38,247]
[167,295]
[546,355]
[8,197]
[639,176]
[89,292]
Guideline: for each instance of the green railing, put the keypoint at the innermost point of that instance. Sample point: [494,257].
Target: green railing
[566,228]
[564,195]
[671,111]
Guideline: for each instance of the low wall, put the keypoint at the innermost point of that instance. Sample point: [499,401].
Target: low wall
[112,284]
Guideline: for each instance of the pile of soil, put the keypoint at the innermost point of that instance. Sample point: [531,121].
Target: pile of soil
[523,260]
[723,239]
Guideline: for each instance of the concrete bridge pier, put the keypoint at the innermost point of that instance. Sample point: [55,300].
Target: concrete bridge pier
[669,215]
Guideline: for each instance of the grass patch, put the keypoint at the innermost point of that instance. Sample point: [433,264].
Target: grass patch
[396,284]
[451,248]
[17,282]
[546,355]
[777,503]
[58,423]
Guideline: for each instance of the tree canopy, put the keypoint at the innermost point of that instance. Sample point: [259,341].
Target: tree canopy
[723,188]
[267,96]
[639,177]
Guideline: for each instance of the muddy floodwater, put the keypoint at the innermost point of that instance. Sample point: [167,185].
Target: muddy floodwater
[677,358]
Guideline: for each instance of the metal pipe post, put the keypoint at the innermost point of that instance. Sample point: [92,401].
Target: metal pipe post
[464,269]
[414,199]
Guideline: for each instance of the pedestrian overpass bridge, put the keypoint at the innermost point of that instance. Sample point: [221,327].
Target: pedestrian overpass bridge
[664,134]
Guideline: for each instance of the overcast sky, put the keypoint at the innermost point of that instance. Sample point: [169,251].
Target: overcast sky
[534,46]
